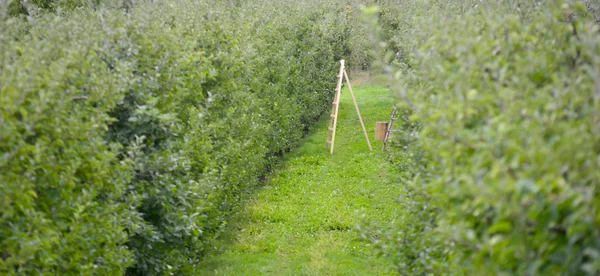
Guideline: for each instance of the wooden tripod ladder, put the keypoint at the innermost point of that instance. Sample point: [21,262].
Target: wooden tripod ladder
[336,106]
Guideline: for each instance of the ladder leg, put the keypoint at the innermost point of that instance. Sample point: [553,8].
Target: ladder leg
[358,111]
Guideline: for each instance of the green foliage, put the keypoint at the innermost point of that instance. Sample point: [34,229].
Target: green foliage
[502,160]
[63,202]
[126,139]
[34,7]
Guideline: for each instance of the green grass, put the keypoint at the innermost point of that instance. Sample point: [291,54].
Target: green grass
[303,220]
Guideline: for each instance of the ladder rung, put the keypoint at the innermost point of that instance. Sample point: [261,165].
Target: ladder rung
[332,116]
[328,142]
[330,129]
[335,102]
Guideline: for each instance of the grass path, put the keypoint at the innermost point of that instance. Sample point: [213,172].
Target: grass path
[303,220]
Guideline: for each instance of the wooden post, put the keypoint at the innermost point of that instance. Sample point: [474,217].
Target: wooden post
[380,130]
[358,111]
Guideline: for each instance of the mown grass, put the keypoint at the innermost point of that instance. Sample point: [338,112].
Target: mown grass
[303,220]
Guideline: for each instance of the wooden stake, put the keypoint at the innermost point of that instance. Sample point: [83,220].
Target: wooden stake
[389,127]
[380,130]
[358,111]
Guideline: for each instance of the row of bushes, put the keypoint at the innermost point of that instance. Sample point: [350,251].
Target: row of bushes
[501,140]
[128,136]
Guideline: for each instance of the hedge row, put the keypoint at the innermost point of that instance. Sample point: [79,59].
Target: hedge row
[501,141]
[127,137]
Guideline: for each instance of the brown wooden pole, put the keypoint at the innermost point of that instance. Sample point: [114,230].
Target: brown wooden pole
[358,111]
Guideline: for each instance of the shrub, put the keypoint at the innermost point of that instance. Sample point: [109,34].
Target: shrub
[63,202]
[127,137]
[502,171]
